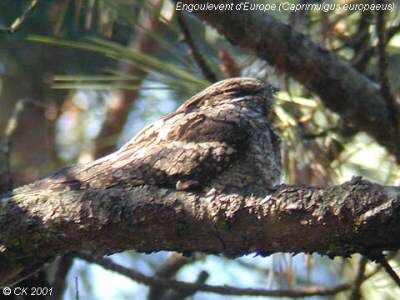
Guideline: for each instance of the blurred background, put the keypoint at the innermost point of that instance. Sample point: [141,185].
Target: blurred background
[93,73]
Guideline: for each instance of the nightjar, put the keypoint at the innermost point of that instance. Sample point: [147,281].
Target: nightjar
[222,138]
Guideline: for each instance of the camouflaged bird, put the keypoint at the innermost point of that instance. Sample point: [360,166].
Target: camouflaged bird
[221,138]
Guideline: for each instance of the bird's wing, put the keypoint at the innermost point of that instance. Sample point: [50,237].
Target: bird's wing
[166,164]
[188,154]
[181,150]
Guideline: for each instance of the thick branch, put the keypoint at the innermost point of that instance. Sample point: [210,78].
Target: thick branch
[38,223]
[342,89]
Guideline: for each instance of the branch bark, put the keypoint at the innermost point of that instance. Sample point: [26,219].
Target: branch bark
[38,222]
[341,88]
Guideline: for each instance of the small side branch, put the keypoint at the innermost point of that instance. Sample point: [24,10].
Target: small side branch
[6,182]
[383,66]
[366,55]
[200,61]
[360,278]
[168,269]
[388,268]
[108,264]
[64,266]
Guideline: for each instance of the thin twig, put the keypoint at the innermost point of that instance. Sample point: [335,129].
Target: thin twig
[200,61]
[362,40]
[168,269]
[363,58]
[383,66]
[64,265]
[222,290]
[6,182]
[181,295]
[76,288]
[22,18]
[356,289]
[388,268]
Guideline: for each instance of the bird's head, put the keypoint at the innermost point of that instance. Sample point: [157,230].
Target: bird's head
[240,90]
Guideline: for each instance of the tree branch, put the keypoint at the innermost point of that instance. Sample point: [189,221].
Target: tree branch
[356,289]
[223,290]
[168,269]
[361,60]
[198,58]
[63,267]
[41,220]
[388,268]
[386,89]
[342,89]
[6,182]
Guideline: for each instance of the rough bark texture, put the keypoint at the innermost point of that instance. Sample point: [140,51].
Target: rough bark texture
[37,226]
[347,92]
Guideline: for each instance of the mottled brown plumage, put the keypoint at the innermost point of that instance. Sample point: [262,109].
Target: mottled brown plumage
[219,139]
